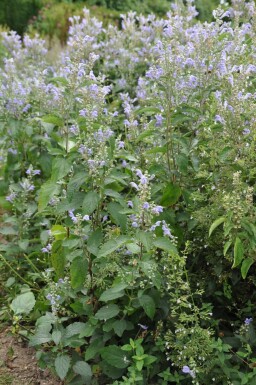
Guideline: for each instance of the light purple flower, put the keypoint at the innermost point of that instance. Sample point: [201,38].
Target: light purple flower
[130,204]
[186,369]
[74,129]
[157,210]
[139,173]
[11,197]
[120,145]
[47,248]
[134,185]
[83,112]
[159,120]
[94,114]
[146,205]
[248,321]
[86,218]
[72,216]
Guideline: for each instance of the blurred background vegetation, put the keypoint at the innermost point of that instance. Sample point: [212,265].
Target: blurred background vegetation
[50,17]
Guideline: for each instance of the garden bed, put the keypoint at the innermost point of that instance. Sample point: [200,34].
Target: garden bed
[18,363]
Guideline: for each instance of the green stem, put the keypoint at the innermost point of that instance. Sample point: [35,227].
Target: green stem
[14,271]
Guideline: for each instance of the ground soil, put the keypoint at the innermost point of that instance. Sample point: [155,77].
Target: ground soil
[18,363]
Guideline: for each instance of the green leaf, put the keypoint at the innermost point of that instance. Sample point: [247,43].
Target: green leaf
[60,168]
[23,303]
[75,183]
[90,202]
[62,364]
[115,356]
[107,312]
[78,272]
[84,369]
[247,263]
[182,162]
[166,245]
[112,245]
[94,242]
[145,134]
[238,252]
[74,329]
[114,292]
[215,224]
[145,239]
[226,247]
[119,327]
[94,348]
[88,330]
[41,337]
[58,259]
[133,248]
[118,218]
[156,150]
[56,336]
[179,117]
[59,232]
[148,305]
[53,119]
[47,191]
[171,195]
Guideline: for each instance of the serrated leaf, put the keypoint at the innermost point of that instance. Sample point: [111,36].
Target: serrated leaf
[133,248]
[59,232]
[52,119]
[148,305]
[247,263]
[119,218]
[94,349]
[119,327]
[94,242]
[90,202]
[41,336]
[157,149]
[60,168]
[58,259]
[56,336]
[114,292]
[145,239]
[23,303]
[74,329]
[75,183]
[182,163]
[112,245]
[83,369]
[107,312]
[78,272]
[171,195]
[166,245]
[47,191]
[62,364]
[115,356]
[215,224]
[238,252]
[148,111]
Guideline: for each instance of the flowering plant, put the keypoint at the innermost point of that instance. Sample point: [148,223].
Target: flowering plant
[128,170]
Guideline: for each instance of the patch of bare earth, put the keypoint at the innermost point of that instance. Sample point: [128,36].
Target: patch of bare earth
[18,364]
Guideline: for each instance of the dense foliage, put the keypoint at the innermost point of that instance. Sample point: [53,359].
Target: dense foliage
[50,17]
[128,181]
